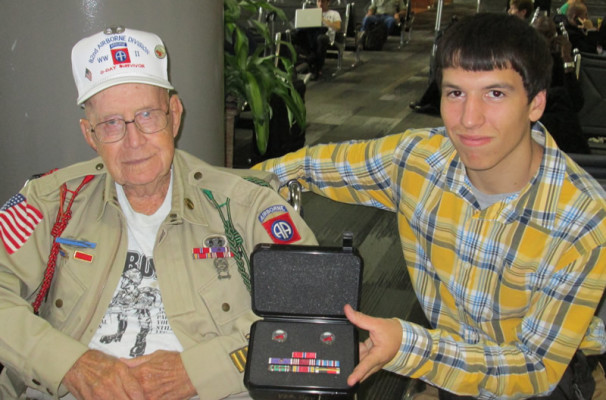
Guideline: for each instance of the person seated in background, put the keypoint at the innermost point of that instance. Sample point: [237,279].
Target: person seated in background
[503,234]
[312,43]
[429,103]
[521,9]
[581,32]
[564,7]
[387,12]
[145,293]
[564,96]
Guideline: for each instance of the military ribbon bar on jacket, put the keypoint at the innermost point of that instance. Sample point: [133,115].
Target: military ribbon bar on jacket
[17,222]
[212,252]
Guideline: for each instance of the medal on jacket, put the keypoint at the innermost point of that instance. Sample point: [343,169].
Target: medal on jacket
[214,247]
[222,267]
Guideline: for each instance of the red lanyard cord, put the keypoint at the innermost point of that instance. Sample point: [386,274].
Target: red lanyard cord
[63,217]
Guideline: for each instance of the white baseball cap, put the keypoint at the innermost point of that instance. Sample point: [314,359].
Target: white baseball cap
[115,56]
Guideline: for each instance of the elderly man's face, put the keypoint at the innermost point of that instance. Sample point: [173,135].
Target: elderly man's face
[138,160]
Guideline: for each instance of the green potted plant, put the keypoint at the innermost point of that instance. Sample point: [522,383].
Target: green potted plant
[253,74]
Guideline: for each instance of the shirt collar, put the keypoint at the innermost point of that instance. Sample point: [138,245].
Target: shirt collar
[186,198]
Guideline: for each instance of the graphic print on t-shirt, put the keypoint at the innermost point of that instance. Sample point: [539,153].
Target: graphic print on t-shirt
[136,309]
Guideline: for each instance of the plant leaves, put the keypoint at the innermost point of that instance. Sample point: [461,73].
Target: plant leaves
[253,74]
[259,109]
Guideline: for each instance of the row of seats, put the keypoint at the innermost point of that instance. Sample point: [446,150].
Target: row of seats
[347,38]
[591,72]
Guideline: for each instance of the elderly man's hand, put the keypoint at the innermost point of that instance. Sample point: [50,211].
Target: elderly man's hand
[96,375]
[162,375]
[385,337]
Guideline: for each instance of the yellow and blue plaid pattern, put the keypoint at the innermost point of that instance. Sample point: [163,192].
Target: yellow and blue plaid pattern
[510,290]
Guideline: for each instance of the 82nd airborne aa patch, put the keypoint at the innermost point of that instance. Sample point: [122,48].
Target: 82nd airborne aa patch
[280,228]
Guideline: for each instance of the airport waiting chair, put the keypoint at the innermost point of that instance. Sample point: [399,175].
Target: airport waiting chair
[406,24]
[336,48]
[339,45]
[592,79]
[594,164]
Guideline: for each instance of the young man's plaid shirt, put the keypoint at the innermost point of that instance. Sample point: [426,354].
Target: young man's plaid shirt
[510,290]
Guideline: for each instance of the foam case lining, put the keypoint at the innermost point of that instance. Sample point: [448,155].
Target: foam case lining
[301,291]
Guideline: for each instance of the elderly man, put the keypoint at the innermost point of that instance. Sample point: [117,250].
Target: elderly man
[145,292]
[503,235]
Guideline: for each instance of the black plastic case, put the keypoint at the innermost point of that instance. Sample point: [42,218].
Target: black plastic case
[301,291]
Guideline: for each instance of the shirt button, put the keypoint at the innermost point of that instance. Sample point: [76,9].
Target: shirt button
[59,303]
[35,382]
[99,167]
[198,176]
[225,307]
[189,204]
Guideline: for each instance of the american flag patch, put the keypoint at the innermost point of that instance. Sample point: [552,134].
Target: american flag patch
[17,222]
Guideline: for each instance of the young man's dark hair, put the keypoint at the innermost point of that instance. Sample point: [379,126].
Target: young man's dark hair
[497,42]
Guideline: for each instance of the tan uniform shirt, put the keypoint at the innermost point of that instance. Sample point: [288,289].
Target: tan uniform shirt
[209,312]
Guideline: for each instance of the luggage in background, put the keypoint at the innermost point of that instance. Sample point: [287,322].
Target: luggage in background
[375,36]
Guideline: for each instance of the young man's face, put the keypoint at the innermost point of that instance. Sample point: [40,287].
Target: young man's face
[487,116]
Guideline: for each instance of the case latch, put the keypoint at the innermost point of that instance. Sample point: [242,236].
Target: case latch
[348,242]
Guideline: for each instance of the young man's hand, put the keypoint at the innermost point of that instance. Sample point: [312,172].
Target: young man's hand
[385,337]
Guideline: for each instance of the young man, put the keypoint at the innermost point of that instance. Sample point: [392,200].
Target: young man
[144,294]
[503,234]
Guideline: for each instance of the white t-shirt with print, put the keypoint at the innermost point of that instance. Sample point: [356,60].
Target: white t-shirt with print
[330,16]
[135,322]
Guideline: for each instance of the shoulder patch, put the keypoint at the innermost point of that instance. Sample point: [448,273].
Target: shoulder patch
[18,220]
[281,229]
[278,208]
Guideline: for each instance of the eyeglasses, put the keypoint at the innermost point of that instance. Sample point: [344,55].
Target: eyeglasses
[147,121]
